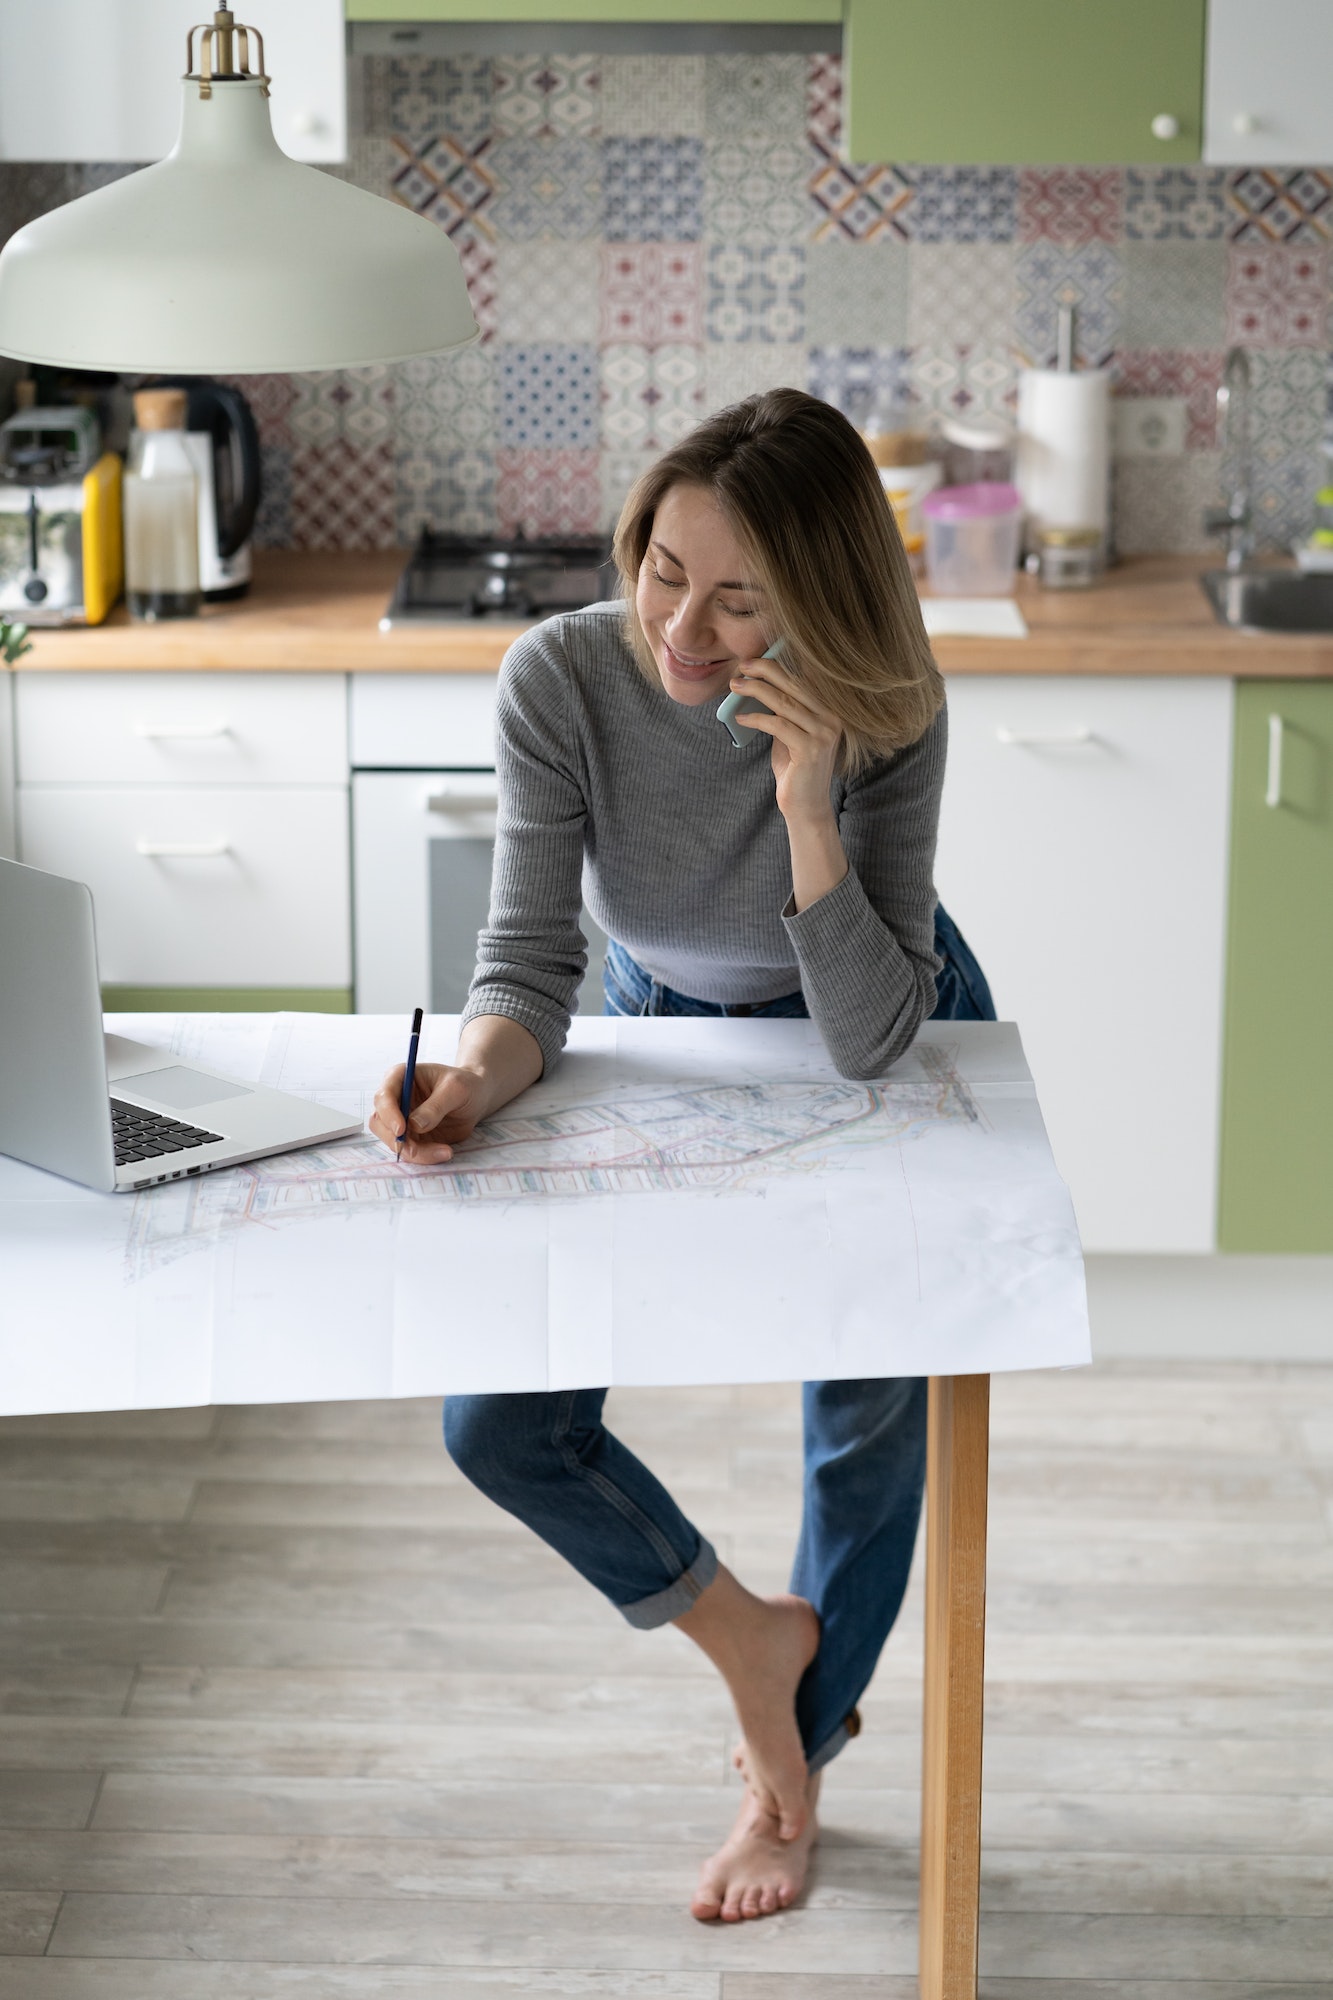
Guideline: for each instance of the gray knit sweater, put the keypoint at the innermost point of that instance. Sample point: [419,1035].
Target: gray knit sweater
[611,790]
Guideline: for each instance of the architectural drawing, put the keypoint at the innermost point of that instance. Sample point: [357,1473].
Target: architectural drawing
[712,1139]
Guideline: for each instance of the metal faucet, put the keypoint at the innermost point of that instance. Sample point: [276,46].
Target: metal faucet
[1233,405]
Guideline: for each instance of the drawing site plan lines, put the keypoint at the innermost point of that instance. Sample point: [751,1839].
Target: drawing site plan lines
[680,1200]
[709,1138]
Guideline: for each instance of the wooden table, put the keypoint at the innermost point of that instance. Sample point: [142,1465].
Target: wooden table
[957,1454]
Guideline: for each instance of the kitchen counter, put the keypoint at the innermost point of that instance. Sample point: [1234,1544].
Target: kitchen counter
[319,613]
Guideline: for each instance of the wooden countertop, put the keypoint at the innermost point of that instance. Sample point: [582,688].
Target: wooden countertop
[318,613]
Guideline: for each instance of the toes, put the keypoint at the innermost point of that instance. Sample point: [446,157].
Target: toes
[770,1900]
[733,1903]
[706,1903]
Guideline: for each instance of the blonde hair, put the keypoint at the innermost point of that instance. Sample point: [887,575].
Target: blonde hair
[804,499]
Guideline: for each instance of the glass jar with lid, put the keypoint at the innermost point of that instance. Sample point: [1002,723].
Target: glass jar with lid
[1066,558]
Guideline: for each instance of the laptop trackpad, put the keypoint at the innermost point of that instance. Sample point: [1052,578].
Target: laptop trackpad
[181,1089]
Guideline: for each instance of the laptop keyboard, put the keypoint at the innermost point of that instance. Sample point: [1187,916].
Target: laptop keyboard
[146,1135]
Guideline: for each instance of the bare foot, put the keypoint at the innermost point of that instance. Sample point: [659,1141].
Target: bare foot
[761,1646]
[772,1756]
[755,1872]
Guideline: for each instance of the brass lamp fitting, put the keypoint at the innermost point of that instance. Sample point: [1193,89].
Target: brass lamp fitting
[220,41]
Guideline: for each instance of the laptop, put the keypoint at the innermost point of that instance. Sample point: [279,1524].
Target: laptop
[114,1114]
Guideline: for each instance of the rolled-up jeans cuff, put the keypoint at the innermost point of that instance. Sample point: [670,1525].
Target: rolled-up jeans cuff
[664,1605]
[828,1749]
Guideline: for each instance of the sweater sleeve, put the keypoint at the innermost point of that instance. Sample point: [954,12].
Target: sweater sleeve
[531,955]
[866,949]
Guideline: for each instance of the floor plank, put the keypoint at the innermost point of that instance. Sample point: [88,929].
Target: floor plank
[509,1932]
[46,1798]
[175,1979]
[851,1872]
[67,1687]
[26,1921]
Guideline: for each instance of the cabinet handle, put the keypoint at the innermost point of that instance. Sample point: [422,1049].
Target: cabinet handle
[181,731]
[182,850]
[1165,126]
[1042,739]
[448,801]
[1245,124]
[1273,789]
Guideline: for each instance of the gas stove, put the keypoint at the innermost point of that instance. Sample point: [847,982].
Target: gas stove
[453,579]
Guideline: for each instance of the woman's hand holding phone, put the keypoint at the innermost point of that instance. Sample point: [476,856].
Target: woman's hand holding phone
[805,739]
[805,758]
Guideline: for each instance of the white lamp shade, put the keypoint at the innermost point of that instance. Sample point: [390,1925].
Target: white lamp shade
[230,258]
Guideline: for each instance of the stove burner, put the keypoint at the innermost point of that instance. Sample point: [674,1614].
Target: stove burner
[452,578]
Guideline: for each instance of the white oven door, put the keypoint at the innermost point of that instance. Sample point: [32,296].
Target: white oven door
[422,845]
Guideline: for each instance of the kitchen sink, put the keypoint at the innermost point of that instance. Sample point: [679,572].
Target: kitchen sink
[1271,600]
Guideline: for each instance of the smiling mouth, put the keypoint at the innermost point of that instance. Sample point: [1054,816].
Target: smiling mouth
[691,669]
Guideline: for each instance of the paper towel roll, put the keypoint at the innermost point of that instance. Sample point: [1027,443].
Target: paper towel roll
[1063,457]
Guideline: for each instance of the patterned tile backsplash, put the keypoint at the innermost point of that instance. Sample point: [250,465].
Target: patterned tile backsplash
[648,237]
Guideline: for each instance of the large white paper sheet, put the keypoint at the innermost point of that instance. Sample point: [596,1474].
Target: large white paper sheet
[683,1201]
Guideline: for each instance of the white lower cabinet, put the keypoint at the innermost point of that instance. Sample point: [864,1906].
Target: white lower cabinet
[182,729]
[211,886]
[1083,853]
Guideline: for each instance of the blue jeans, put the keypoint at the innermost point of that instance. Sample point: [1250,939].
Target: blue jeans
[961,992]
[549,1459]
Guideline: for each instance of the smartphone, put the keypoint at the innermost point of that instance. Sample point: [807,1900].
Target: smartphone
[745,704]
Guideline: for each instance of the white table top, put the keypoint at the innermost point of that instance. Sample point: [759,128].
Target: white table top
[682,1201]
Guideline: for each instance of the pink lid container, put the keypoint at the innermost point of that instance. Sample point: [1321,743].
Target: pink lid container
[972,503]
[972,535]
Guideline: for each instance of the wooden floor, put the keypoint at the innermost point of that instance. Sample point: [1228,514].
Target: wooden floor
[290,1712]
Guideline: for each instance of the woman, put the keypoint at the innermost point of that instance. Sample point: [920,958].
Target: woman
[790,876]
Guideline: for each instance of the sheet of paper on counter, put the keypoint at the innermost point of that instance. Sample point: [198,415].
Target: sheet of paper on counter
[973,618]
[682,1201]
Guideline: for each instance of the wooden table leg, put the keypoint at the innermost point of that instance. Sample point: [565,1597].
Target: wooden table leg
[956,1470]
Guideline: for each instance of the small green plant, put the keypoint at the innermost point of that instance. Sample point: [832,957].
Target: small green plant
[14,642]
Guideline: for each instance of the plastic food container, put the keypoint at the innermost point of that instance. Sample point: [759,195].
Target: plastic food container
[972,535]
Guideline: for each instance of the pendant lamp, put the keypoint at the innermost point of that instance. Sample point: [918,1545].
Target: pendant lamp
[228,257]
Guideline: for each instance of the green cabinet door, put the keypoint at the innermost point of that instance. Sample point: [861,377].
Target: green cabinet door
[226,999]
[1023,80]
[567,12]
[1277,1080]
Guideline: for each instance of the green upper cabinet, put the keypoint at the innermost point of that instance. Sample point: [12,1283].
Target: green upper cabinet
[568,12]
[1024,81]
[1277,1078]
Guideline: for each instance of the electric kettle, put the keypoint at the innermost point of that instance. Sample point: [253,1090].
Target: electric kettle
[223,442]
